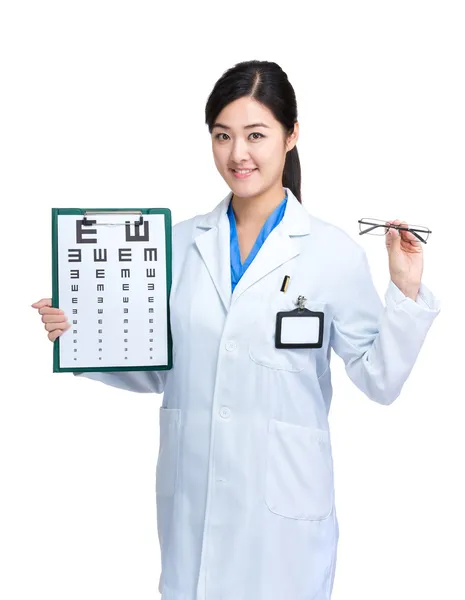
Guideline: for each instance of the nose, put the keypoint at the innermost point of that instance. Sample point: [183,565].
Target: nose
[239,151]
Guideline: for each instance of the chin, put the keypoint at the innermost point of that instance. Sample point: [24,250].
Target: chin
[245,191]
[244,187]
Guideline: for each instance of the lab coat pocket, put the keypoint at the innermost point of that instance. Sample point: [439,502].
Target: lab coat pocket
[167,463]
[262,349]
[299,477]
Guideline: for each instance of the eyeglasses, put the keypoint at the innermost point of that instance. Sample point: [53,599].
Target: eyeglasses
[377,227]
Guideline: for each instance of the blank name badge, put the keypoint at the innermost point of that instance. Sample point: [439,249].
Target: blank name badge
[299,328]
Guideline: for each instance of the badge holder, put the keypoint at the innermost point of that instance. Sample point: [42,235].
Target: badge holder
[299,328]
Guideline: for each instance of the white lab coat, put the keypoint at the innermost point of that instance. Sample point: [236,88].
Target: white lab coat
[244,482]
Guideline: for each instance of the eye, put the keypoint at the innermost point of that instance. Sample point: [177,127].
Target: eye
[217,136]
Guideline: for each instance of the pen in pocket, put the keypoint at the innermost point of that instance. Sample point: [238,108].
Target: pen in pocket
[285,283]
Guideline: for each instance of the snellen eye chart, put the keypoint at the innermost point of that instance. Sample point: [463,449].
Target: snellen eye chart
[111,272]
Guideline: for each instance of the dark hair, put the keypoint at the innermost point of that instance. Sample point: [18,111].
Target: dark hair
[267,83]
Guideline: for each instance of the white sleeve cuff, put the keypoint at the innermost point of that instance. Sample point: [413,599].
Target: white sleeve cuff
[426,301]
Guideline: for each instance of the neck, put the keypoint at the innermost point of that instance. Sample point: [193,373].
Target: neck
[254,211]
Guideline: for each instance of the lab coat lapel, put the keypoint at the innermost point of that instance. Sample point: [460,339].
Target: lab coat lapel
[278,248]
[213,242]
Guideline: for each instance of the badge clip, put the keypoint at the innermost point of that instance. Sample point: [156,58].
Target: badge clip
[300,302]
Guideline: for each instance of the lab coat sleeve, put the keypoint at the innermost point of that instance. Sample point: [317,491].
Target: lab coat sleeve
[379,344]
[133,381]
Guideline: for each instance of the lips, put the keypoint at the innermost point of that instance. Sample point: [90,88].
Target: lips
[242,175]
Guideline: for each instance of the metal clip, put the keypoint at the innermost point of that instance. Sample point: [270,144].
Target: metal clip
[300,302]
[87,223]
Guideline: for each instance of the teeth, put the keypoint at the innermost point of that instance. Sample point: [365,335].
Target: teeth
[244,171]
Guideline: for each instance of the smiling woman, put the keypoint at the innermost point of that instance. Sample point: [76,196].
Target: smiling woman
[245,485]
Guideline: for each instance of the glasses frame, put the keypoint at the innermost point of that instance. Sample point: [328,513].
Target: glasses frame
[398,227]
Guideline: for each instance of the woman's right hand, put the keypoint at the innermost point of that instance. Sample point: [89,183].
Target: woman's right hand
[54,318]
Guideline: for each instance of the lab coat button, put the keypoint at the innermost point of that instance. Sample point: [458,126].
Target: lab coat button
[231,346]
[225,412]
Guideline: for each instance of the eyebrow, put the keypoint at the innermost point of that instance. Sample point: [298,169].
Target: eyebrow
[221,126]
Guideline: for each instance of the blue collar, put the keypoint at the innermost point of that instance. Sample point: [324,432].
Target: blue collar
[237,268]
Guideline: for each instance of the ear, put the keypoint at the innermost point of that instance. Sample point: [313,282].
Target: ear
[292,139]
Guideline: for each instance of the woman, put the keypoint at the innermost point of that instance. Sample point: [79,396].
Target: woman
[245,494]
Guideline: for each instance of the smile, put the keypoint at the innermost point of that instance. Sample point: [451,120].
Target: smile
[242,173]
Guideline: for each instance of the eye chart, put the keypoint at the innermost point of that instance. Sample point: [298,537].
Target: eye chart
[112,278]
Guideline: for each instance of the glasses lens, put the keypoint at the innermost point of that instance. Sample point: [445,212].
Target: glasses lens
[373,227]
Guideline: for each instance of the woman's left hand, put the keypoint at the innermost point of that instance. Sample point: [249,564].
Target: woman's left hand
[405,259]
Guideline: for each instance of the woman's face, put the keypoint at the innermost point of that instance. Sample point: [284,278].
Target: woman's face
[239,142]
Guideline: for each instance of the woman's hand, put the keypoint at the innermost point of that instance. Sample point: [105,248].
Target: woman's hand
[54,318]
[405,259]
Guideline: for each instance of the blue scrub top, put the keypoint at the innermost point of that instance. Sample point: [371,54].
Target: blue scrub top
[237,268]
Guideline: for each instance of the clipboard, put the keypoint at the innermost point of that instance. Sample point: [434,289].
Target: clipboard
[112,275]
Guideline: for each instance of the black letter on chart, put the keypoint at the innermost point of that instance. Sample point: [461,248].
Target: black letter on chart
[74,255]
[99,257]
[137,237]
[124,257]
[80,232]
[151,252]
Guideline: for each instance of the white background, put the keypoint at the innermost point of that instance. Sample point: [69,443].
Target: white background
[102,104]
